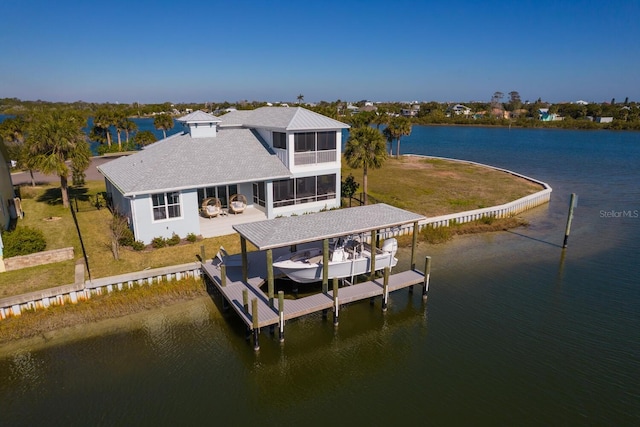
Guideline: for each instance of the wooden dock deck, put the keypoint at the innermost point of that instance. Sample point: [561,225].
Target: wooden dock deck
[268,314]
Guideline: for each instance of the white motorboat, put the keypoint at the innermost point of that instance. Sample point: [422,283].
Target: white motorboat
[348,257]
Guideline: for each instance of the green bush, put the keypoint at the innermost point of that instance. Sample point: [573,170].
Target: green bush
[487,219]
[191,237]
[138,245]
[159,242]
[23,241]
[436,235]
[174,240]
[127,238]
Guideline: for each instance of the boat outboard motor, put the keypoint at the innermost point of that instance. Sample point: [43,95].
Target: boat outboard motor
[390,245]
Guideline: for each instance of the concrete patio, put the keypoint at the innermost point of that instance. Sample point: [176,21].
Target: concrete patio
[223,224]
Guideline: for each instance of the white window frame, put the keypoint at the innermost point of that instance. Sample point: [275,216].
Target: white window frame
[166,205]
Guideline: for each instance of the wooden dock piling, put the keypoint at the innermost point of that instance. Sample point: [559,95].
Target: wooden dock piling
[336,305]
[572,204]
[385,289]
[256,328]
[427,273]
[281,314]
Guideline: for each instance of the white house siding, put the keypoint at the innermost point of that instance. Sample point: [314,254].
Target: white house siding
[120,204]
[202,130]
[146,229]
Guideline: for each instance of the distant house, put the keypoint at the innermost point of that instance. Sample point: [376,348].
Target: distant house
[352,108]
[460,109]
[285,161]
[581,102]
[412,111]
[545,116]
[604,119]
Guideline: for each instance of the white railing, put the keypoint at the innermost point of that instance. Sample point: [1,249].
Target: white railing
[314,157]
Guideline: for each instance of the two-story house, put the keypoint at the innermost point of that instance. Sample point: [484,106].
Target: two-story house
[285,161]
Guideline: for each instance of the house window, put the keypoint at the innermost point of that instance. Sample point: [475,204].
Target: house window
[326,187]
[326,141]
[259,194]
[222,192]
[280,140]
[314,147]
[305,141]
[303,190]
[283,193]
[166,205]
[306,189]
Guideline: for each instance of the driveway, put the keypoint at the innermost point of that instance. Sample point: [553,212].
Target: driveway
[91,174]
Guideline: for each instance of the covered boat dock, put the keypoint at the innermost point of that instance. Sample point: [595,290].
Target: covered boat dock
[239,277]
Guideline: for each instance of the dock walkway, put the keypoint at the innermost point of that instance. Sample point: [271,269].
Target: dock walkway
[267,313]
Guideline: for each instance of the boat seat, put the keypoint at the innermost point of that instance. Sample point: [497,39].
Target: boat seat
[315,260]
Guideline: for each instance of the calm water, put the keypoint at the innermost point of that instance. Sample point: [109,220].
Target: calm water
[514,332]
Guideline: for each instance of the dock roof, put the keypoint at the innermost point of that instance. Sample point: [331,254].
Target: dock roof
[278,232]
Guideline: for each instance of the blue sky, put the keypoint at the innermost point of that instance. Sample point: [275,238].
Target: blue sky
[199,51]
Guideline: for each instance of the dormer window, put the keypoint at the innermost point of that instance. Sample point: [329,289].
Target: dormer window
[280,140]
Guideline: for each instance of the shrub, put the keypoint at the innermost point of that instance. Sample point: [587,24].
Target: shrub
[23,241]
[436,234]
[137,245]
[174,240]
[191,237]
[159,242]
[487,219]
[127,238]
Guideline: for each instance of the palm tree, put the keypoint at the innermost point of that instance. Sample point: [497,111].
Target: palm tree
[102,122]
[300,98]
[390,137]
[128,126]
[56,137]
[144,138]
[381,118]
[163,122]
[118,122]
[365,149]
[399,127]
[13,132]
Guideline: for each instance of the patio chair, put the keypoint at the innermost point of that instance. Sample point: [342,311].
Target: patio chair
[237,203]
[211,207]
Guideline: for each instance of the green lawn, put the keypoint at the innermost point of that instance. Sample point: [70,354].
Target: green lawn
[43,210]
[434,187]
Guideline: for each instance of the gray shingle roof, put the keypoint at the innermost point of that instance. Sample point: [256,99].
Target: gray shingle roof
[279,232]
[180,162]
[292,119]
